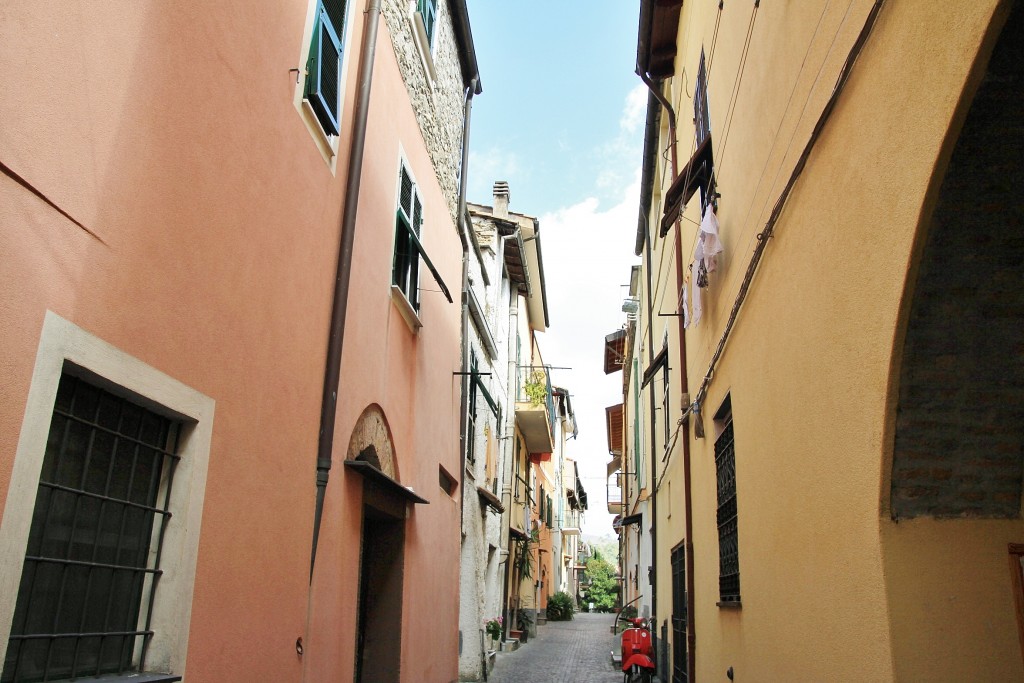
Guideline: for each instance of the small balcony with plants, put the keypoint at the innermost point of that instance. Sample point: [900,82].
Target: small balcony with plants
[533,414]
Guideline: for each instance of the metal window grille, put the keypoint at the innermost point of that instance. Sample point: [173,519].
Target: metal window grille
[679,615]
[728,537]
[90,573]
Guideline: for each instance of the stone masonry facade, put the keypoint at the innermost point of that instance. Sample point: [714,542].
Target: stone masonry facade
[438,102]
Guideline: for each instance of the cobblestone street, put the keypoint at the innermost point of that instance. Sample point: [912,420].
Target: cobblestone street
[577,651]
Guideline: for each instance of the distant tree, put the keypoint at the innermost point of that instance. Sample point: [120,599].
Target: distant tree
[603,585]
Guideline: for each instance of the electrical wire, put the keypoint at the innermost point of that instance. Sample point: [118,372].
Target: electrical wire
[777,136]
[730,110]
[780,204]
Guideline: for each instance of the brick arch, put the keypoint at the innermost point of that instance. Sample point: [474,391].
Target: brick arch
[371,441]
[959,425]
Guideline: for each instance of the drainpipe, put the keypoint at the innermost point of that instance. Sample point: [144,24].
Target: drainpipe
[507,467]
[339,306]
[464,228]
[691,634]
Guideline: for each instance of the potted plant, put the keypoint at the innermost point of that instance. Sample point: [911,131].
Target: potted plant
[536,387]
[493,628]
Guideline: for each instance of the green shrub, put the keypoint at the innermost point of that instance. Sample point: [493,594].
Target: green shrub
[560,607]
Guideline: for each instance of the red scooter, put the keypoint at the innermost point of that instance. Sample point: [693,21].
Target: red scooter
[637,652]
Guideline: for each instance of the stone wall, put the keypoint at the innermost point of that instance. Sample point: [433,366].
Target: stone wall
[438,102]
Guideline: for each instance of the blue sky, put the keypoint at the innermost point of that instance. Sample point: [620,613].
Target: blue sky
[561,119]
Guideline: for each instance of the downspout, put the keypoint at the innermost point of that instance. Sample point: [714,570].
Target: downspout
[691,634]
[508,470]
[464,228]
[339,306]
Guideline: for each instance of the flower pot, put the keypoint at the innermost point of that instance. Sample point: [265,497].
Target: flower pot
[515,634]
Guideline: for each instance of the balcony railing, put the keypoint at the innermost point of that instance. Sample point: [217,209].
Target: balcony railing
[613,488]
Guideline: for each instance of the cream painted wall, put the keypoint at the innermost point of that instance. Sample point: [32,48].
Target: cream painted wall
[831,590]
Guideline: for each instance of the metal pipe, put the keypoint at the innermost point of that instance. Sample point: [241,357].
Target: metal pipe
[339,305]
[507,466]
[464,229]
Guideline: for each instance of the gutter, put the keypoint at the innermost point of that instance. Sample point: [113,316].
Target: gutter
[339,305]
[540,266]
[647,179]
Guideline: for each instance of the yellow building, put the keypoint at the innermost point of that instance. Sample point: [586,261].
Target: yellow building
[830,370]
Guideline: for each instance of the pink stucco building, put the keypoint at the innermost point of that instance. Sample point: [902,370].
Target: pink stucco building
[202,208]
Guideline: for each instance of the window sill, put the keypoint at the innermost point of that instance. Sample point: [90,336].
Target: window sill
[129,677]
[326,144]
[730,605]
[409,315]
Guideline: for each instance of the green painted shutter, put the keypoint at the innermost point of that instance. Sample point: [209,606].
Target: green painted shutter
[323,69]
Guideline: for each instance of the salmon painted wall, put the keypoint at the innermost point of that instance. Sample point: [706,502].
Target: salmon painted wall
[409,375]
[809,362]
[172,136]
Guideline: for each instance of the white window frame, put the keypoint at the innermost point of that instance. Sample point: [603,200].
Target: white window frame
[409,313]
[64,345]
[326,144]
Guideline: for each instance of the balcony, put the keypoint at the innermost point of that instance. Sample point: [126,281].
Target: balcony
[535,424]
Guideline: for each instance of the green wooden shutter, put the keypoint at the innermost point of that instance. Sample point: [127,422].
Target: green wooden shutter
[323,70]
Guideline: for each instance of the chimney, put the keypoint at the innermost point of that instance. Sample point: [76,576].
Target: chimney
[501,198]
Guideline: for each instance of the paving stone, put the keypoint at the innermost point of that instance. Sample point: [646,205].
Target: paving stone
[577,651]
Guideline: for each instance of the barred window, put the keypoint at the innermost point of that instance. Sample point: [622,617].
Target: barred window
[679,614]
[91,566]
[728,537]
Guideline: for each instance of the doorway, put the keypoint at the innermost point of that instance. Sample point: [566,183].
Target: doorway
[381,578]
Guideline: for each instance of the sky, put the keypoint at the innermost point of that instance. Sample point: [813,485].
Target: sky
[561,118]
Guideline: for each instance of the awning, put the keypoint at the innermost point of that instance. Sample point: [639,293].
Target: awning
[696,174]
[371,473]
[614,351]
[489,499]
[614,465]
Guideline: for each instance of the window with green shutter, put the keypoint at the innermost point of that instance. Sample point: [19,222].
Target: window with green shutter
[323,67]
[405,272]
[428,12]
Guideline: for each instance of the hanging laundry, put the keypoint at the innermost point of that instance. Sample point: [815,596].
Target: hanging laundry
[704,258]
[697,310]
[686,303]
[708,245]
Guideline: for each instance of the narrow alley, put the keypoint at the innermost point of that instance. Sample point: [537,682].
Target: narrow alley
[577,651]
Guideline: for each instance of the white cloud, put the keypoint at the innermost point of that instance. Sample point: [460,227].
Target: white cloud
[635,113]
[488,165]
[588,253]
[620,154]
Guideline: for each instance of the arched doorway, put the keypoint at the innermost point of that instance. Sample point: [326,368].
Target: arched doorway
[371,454]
